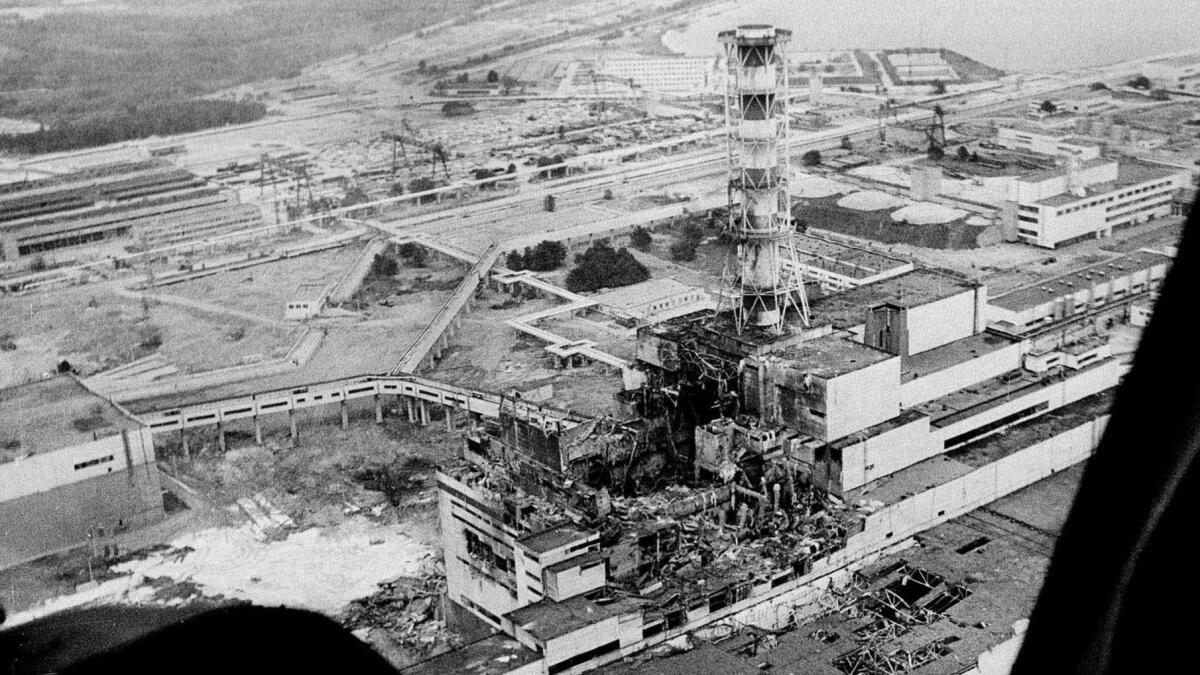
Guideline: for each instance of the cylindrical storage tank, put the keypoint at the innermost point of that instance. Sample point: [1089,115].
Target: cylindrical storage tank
[759,156]
[758,130]
[757,80]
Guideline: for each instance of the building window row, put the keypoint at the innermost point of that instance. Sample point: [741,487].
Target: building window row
[94,462]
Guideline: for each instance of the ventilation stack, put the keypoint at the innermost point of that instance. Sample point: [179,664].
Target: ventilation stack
[762,278]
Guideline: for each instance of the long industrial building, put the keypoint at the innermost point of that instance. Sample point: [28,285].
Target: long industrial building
[150,203]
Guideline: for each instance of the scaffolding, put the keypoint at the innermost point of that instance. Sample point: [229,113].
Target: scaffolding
[762,276]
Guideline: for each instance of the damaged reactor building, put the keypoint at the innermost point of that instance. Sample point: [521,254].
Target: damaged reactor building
[762,451]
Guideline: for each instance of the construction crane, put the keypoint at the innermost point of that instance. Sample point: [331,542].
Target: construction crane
[936,131]
[410,137]
[275,169]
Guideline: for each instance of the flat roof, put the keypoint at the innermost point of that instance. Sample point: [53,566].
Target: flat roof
[643,293]
[953,354]
[911,289]
[1073,282]
[1128,174]
[308,293]
[493,655]
[546,619]
[852,261]
[555,537]
[831,356]
[1047,174]
[55,413]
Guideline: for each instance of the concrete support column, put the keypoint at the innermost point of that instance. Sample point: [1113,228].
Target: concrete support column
[423,408]
[449,417]
[258,430]
[221,437]
[378,409]
[408,406]
[345,414]
[184,439]
[295,435]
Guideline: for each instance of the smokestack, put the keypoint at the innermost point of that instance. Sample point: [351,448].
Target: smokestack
[762,275]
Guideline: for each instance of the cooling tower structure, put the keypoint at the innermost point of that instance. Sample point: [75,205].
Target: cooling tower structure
[762,279]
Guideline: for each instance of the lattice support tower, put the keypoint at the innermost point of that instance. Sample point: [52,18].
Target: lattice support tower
[762,279]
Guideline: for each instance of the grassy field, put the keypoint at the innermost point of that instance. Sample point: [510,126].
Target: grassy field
[67,64]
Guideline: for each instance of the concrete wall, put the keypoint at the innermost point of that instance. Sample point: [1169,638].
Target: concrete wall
[42,522]
[862,398]
[982,486]
[49,470]
[941,322]
[889,452]
[928,386]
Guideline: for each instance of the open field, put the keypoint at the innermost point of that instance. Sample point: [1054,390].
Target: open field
[264,289]
[95,328]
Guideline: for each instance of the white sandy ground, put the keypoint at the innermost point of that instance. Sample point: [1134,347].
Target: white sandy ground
[814,187]
[321,569]
[884,173]
[871,200]
[925,213]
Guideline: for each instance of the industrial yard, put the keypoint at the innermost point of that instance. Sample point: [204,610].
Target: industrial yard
[522,337]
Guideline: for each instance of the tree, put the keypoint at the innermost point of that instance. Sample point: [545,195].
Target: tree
[602,266]
[548,203]
[811,158]
[1160,95]
[461,78]
[936,152]
[384,265]
[493,76]
[975,157]
[413,253]
[422,184]
[1048,107]
[507,84]
[963,153]
[1139,82]
[396,189]
[608,194]
[846,144]
[421,66]
[545,257]
[640,239]
[512,168]
[1097,86]
[939,87]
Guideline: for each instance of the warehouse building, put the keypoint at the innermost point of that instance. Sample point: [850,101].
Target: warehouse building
[150,203]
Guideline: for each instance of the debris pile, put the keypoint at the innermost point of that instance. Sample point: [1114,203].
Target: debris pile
[408,611]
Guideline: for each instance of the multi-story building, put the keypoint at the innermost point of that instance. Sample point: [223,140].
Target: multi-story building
[1081,296]
[1091,199]
[73,466]
[726,489]
[679,75]
[1048,142]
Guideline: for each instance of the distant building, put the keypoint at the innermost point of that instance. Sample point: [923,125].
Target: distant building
[1091,103]
[1180,73]
[674,75]
[1118,282]
[654,300]
[1047,142]
[73,466]
[150,203]
[306,302]
[1061,206]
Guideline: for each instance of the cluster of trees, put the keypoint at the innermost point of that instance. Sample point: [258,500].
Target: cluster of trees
[142,71]
[414,254]
[811,158]
[546,256]
[1139,82]
[640,238]
[965,155]
[384,265]
[689,241]
[133,122]
[602,266]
